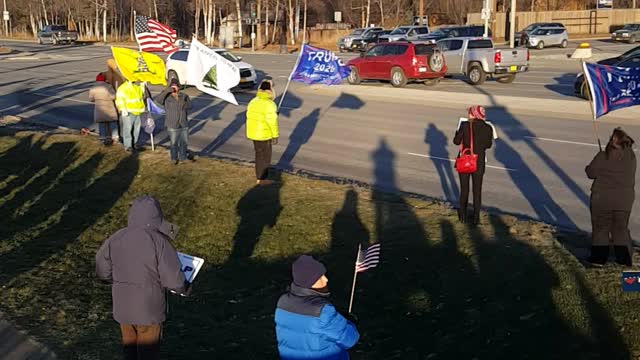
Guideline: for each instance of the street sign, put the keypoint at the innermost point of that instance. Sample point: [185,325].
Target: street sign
[5,15]
[253,35]
[337,16]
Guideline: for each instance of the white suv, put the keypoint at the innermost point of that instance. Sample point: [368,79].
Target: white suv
[176,66]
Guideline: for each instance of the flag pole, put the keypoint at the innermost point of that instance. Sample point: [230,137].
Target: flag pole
[355,276]
[286,88]
[593,113]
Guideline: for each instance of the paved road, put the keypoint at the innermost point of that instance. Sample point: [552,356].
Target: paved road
[394,138]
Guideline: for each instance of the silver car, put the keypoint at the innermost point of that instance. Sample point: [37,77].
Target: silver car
[547,36]
[405,33]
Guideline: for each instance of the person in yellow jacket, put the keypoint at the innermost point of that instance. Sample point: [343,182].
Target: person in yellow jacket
[130,104]
[262,129]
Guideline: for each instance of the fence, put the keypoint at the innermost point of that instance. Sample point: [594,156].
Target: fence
[576,22]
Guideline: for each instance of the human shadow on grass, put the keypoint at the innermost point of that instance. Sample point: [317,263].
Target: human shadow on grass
[347,234]
[258,209]
[58,206]
[437,141]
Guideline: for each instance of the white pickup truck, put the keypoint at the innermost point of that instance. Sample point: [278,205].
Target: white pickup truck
[476,58]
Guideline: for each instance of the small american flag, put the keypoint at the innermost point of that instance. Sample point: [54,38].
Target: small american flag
[368,258]
[153,36]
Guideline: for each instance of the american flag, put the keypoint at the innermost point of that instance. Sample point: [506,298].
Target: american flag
[153,36]
[368,258]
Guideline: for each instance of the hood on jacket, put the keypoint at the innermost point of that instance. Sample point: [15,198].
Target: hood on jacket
[265,94]
[145,212]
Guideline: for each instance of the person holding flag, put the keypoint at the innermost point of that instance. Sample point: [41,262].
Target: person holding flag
[130,104]
[308,326]
[612,194]
[262,129]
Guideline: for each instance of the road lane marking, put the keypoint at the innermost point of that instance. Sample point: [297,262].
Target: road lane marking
[454,160]
[561,141]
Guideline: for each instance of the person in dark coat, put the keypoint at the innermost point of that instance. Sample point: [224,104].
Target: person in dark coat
[140,262]
[482,140]
[612,194]
[176,104]
[307,325]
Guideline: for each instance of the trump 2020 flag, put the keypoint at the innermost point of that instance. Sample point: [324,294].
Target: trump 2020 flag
[611,87]
[211,73]
[319,66]
[631,281]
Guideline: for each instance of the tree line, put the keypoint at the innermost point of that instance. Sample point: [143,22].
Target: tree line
[114,19]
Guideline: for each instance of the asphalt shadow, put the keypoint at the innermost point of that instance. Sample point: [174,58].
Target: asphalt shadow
[437,142]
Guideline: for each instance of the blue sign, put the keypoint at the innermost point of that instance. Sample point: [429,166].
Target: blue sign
[630,281]
[319,66]
[612,88]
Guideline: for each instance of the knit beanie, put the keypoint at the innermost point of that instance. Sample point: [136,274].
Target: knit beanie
[306,271]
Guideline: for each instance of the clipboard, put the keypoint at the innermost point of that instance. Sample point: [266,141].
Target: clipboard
[191,265]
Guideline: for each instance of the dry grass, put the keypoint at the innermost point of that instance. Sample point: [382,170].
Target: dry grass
[503,290]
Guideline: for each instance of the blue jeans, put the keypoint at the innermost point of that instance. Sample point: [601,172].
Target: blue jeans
[178,138]
[130,130]
[108,131]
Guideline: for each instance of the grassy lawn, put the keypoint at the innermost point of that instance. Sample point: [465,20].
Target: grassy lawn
[504,290]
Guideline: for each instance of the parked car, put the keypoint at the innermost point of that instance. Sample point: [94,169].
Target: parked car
[476,58]
[366,42]
[632,60]
[545,37]
[344,43]
[629,33]
[532,27]
[176,67]
[56,34]
[399,63]
[455,31]
[627,54]
[405,33]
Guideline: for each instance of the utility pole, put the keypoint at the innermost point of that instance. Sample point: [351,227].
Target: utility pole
[512,25]
[421,12]
[486,15]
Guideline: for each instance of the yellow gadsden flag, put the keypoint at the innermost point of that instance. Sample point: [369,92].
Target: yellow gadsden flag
[140,66]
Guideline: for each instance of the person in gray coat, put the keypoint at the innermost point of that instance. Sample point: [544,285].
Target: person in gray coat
[612,194]
[140,262]
[176,104]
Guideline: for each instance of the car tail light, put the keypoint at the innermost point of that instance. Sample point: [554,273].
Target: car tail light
[497,57]
[414,61]
[528,55]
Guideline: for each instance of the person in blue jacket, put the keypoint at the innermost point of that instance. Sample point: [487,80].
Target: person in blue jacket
[307,325]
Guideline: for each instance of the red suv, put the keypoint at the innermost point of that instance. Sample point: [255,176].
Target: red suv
[399,63]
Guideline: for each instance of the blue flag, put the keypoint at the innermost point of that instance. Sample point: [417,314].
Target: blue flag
[612,88]
[319,66]
[154,108]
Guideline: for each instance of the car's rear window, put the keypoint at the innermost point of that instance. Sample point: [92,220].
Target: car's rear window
[422,49]
[180,55]
[58,28]
[480,44]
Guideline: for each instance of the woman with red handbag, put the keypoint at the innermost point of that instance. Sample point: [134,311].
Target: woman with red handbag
[474,137]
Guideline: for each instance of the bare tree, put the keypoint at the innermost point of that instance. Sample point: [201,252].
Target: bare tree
[275,21]
[293,37]
[239,13]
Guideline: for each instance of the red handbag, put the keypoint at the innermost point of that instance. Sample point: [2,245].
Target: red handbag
[467,161]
